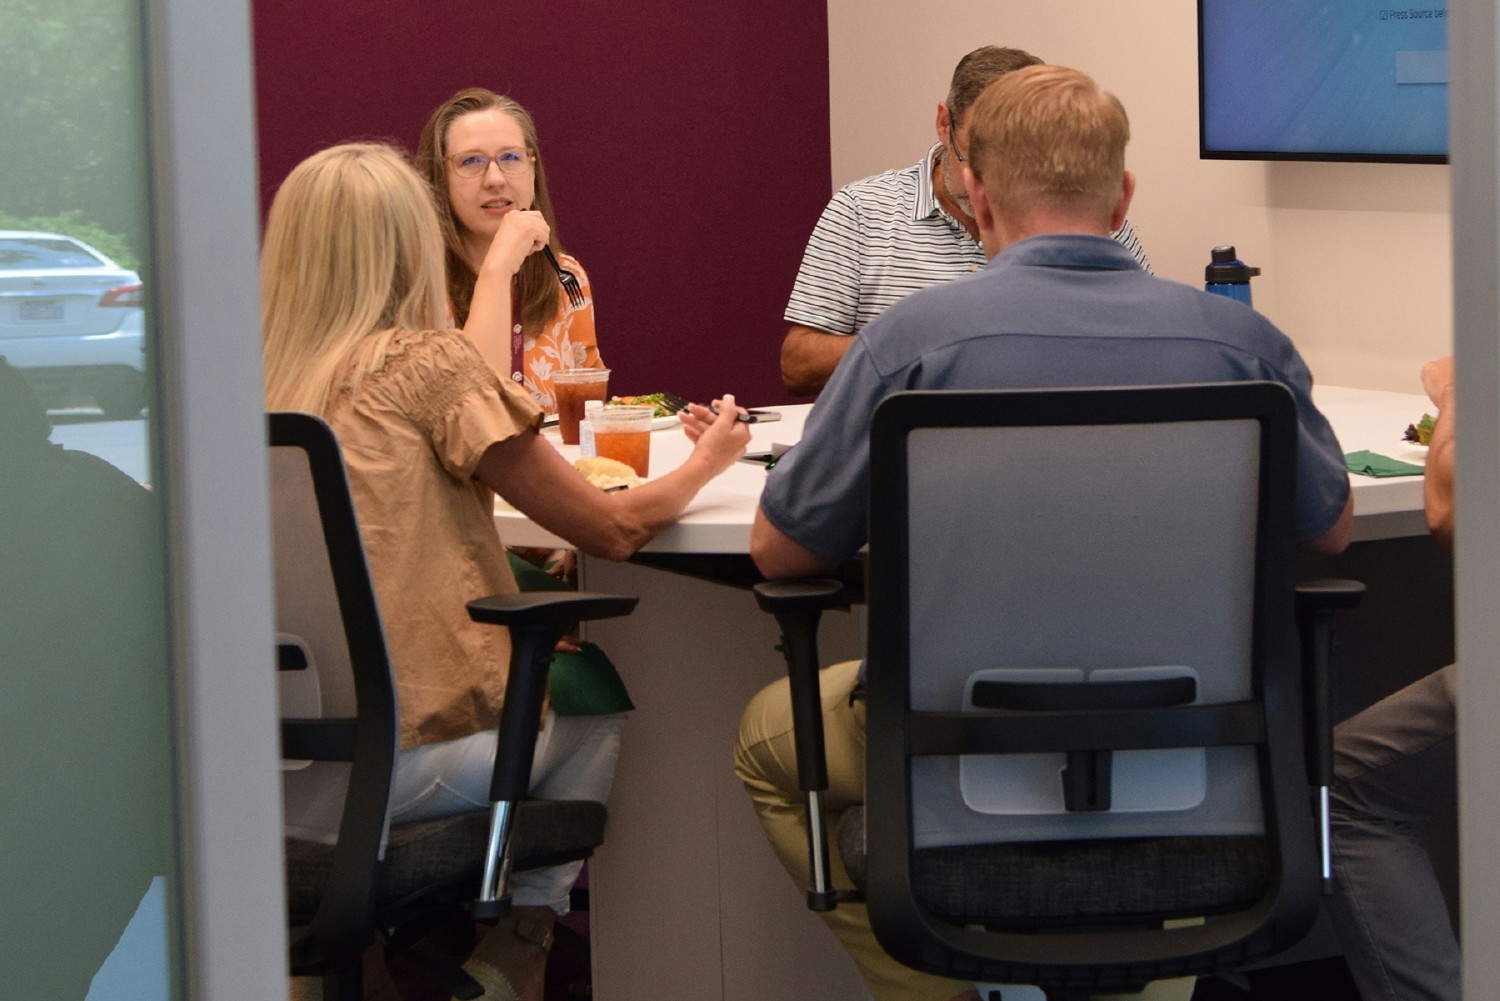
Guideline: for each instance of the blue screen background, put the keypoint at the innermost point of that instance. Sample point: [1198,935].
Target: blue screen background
[1287,77]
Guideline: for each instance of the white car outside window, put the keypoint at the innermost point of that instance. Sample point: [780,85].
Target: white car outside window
[73,322]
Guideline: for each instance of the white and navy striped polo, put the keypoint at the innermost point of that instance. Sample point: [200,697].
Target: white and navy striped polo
[881,239]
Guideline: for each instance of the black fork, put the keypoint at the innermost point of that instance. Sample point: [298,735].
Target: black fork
[566,278]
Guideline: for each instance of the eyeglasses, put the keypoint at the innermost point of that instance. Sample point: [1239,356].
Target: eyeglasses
[953,142]
[474,163]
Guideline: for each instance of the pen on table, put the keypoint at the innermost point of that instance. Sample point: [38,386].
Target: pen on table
[744,417]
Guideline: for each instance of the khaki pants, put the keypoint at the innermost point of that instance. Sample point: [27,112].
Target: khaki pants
[765,759]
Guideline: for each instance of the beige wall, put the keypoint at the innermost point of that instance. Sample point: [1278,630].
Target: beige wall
[1356,257]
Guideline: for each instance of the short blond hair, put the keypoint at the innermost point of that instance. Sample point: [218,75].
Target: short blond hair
[1048,136]
[352,251]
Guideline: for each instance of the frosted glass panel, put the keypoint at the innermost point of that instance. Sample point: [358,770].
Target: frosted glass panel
[87,875]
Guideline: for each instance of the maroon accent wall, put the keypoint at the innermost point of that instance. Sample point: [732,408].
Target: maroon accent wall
[686,148]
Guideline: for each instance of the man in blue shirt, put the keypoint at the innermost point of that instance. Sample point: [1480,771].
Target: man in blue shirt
[1060,304]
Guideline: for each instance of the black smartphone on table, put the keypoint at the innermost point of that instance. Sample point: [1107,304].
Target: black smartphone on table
[766,459]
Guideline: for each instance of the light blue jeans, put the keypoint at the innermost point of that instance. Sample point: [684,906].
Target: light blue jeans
[575,759]
[1394,766]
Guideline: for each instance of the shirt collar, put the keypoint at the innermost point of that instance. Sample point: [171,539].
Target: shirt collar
[1070,250]
[926,205]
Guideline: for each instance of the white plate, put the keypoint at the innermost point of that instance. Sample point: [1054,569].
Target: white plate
[1410,451]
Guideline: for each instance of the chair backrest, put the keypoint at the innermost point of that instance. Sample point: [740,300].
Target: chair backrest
[1082,633]
[339,718]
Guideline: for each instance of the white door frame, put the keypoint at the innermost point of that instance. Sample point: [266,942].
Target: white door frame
[206,218]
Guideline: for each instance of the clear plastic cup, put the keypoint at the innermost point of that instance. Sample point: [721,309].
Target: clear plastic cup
[624,434]
[573,387]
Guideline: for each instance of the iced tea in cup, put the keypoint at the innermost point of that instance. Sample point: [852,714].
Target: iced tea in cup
[572,387]
[624,434]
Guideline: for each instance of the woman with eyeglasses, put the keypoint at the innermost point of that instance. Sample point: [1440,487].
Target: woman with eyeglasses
[356,329]
[479,153]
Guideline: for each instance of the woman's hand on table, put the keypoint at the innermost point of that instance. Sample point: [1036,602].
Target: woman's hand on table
[536,480]
[720,438]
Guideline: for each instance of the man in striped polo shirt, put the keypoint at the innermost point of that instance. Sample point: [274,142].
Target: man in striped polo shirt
[889,235]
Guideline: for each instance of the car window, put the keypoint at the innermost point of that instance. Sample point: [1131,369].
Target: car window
[29,253]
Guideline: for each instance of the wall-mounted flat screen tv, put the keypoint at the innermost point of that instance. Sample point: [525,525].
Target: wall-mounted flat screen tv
[1354,80]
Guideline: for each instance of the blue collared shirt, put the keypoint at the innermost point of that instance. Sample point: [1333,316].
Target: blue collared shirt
[1050,311]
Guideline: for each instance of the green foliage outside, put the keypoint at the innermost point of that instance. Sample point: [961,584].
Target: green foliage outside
[72,223]
[71,123]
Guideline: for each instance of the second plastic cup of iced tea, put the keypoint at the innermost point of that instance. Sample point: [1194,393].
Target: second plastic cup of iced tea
[624,434]
[573,387]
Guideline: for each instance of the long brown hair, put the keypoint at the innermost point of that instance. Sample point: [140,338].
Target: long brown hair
[535,285]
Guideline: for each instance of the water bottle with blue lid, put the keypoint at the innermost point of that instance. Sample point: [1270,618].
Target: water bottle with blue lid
[1227,275]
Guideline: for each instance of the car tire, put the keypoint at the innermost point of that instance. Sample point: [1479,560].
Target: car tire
[121,396]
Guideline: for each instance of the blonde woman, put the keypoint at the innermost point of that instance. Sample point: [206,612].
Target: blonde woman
[354,311]
[479,154]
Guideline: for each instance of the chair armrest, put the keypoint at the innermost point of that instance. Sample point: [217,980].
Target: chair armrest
[807,595]
[1317,600]
[1319,593]
[536,620]
[560,609]
[798,605]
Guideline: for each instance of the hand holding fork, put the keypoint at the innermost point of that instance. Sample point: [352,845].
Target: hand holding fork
[566,278]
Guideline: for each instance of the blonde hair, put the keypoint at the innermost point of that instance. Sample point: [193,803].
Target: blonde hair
[352,251]
[535,285]
[1048,136]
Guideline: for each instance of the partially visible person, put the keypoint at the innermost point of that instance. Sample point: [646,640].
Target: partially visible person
[1395,766]
[884,237]
[479,153]
[354,317]
[83,616]
[1060,304]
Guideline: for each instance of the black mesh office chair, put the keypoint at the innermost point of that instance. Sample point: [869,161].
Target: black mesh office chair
[339,726]
[1088,713]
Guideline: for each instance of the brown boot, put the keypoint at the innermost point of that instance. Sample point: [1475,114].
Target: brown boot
[510,962]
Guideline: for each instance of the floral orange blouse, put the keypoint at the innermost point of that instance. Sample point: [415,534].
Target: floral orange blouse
[567,342]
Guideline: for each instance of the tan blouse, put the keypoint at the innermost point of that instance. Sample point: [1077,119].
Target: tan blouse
[412,435]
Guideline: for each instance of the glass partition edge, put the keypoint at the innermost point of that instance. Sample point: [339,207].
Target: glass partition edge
[206,221]
[1475,128]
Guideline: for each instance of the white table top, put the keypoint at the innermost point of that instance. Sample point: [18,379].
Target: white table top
[719,518]
[1374,420]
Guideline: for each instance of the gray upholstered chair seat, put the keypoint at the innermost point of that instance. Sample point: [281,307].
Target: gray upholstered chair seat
[1074,881]
[434,853]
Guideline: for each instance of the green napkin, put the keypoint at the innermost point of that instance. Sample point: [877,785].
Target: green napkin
[1373,464]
